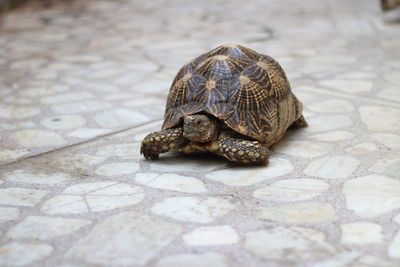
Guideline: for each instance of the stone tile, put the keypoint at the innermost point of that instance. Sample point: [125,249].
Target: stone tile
[21,196]
[104,203]
[332,136]
[397,219]
[394,247]
[211,236]
[105,73]
[64,204]
[125,151]
[17,125]
[64,122]
[380,119]
[389,140]
[14,99]
[126,238]
[393,77]
[357,75]
[47,75]
[43,227]
[8,214]
[391,94]
[98,196]
[173,182]
[129,79]
[12,252]
[372,195]
[86,133]
[92,188]
[194,209]
[389,166]
[335,59]
[44,90]
[292,190]
[354,258]
[154,87]
[323,123]
[125,96]
[332,106]
[186,164]
[17,112]
[288,245]
[304,149]
[117,168]
[12,154]
[68,97]
[243,176]
[336,167]
[347,86]
[37,138]
[81,107]
[361,233]
[101,197]
[27,64]
[99,87]
[81,162]
[306,212]
[362,148]
[36,177]
[119,117]
[196,260]
[146,102]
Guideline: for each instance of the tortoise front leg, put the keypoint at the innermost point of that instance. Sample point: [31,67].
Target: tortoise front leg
[241,151]
[163,141]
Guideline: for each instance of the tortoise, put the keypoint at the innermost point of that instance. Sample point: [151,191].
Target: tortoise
[231,101]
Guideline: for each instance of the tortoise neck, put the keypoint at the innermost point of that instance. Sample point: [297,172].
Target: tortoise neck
[200,128]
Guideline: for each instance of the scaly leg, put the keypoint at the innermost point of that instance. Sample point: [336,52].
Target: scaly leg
[241,151]
[162,141]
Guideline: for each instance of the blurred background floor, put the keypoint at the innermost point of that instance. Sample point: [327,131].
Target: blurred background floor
[82,82]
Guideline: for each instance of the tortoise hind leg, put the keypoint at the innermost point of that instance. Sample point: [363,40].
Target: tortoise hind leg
[163,141]
[299,123]
[241,151]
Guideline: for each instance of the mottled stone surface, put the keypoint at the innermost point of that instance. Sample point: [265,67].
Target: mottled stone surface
[40,227]
[290,245]
[372,195]
[18,253]
[306,212]
[82,83]
[194,209]
[292,190]
[125,239]
[196,260]
[360,233]
[211,236]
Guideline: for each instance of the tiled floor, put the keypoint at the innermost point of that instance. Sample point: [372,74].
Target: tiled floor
[82,84]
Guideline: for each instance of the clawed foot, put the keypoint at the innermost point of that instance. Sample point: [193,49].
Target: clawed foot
[163,141]
[242,151]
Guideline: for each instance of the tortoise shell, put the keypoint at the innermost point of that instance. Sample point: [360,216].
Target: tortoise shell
[246,90]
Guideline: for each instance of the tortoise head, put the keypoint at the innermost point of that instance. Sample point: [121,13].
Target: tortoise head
[200,128]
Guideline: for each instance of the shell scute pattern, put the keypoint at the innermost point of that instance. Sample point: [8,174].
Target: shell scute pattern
[233,83]
[280,84]
[221,67]
[236,51]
